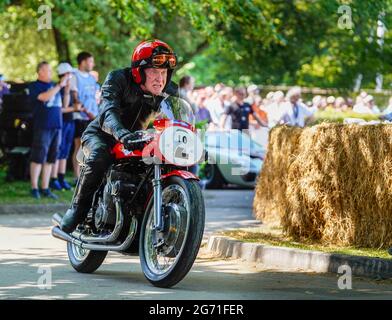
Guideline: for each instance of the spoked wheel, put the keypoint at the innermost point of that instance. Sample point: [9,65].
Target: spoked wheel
[83,260]
[166,263]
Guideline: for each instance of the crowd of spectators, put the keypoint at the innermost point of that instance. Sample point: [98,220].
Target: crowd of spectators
[224,107]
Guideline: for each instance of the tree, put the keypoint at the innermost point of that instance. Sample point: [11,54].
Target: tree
[233,41]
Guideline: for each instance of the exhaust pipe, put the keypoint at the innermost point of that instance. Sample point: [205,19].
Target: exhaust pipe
[60,234]
[112,237]
[56,219]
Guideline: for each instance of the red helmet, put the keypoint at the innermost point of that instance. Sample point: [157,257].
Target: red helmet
[152,54]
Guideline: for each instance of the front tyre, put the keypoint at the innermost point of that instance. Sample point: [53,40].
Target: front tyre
[83,260]
[184,226]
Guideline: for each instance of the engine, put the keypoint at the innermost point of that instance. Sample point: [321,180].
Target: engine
[105,215]
[117,188]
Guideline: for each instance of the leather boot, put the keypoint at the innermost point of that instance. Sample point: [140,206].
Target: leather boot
[81,203]
[74,216]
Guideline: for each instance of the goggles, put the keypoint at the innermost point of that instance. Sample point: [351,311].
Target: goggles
[164,60]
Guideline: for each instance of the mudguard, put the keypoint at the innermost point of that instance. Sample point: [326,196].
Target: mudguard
[180,173]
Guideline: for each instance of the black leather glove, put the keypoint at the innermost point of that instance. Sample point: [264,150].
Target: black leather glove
[134,140]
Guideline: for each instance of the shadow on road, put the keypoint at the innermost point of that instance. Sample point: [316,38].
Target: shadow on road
[121,278]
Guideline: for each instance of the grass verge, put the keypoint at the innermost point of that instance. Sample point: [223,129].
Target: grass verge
[276,238]
[18,192]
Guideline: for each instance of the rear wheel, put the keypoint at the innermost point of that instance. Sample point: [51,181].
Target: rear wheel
[168,263]
[83,260]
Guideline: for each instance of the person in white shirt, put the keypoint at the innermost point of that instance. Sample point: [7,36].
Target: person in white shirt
[274,108]
[369,100]
[366,106]
[295,112]
[359,106]
[216,107]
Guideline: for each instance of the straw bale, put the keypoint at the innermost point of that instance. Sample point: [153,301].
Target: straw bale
[330,183]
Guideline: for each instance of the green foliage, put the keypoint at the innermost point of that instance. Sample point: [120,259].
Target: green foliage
[306,48]
[201,124]
[235,41]
[21,46]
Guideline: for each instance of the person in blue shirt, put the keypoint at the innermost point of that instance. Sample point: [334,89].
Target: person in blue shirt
[47,122]
[86,88]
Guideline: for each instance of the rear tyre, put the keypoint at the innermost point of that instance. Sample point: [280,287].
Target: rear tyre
[85,261]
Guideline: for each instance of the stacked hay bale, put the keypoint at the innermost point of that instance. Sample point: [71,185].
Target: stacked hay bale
[330,183]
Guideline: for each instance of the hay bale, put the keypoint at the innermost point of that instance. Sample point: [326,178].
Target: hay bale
[330,183]
[281,152]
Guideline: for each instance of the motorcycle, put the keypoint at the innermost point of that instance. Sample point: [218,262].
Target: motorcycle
[148,203]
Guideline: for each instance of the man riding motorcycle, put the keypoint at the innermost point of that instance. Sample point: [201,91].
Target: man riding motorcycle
[131,97]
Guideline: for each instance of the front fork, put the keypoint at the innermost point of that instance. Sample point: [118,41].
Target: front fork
[158,240]
[157,187]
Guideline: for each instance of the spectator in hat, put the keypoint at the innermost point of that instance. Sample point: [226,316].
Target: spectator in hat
[47,122]
[58,181]
[359,105]
[330,103]
[296,113]
[365,105]
[253,92]
[275,108]
[369,101]
[316,103]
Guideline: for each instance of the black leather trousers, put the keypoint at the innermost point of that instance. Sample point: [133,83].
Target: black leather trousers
[97,160]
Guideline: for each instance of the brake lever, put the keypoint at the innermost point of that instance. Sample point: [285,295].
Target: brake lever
[145,139]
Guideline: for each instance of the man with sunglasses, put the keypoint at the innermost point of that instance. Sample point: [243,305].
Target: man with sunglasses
[130,98]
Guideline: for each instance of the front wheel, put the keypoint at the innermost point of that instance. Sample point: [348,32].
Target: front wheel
[83,260]
[184,213]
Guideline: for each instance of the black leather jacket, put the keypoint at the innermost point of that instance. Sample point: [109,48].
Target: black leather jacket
[124,107]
